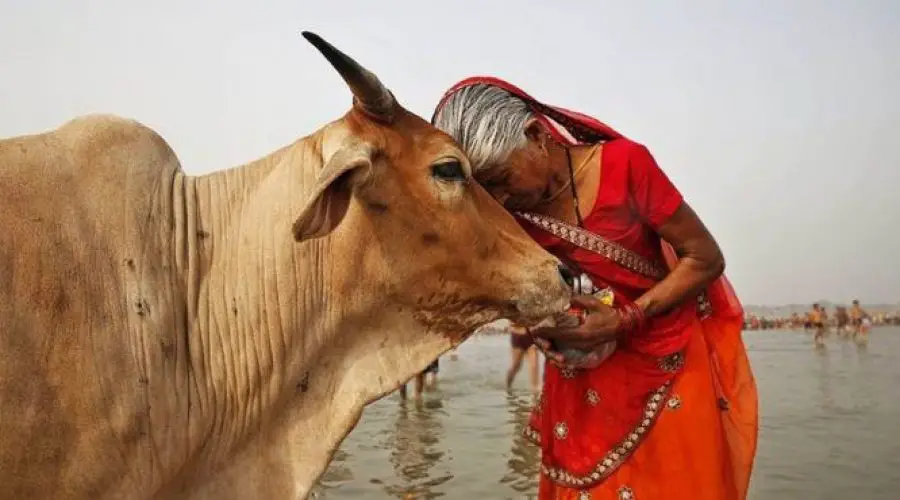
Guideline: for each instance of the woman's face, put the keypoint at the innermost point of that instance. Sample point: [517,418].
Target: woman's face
[526,178]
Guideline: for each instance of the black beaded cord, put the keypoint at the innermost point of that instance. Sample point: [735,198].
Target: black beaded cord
[574,191]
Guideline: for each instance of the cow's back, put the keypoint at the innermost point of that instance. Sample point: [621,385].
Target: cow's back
[86,280]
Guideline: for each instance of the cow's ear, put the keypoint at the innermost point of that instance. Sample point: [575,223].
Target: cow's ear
[330,198]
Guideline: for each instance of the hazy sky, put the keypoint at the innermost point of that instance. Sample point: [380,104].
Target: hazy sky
[779,120]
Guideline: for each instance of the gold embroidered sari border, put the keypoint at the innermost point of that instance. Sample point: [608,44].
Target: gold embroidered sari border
[617,455]
[592,242]
[622,256]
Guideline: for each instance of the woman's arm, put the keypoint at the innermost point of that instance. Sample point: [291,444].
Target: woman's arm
[660,206]
[700,262]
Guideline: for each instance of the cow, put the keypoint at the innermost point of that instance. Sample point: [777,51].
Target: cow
[217,336]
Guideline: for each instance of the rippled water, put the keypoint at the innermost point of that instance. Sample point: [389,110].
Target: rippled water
[829,427]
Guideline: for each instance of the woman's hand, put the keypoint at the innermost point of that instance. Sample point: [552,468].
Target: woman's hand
[600,326]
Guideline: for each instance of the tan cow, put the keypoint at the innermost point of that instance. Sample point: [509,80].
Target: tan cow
[168,336]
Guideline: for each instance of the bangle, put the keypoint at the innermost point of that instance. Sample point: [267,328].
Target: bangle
[631,317]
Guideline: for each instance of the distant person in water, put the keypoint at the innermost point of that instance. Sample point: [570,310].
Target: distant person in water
[859,321]
[842,322]
[522,346]
[817,321]
[422,380]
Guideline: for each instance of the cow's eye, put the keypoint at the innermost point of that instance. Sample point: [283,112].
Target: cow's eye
[449,170]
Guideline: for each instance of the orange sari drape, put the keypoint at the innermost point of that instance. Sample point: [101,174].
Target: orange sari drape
[701,424]
[703,443]
[695,432]
[696,449]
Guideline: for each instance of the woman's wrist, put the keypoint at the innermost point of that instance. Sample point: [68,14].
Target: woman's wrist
[631,318]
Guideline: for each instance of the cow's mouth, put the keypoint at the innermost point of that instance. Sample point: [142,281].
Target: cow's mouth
[534,308]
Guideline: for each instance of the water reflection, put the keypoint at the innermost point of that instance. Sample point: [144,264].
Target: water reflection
[824,376]
[416,449]
[828,418]
[523,464]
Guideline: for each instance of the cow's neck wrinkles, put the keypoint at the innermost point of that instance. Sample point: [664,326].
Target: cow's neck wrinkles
[266,313]
[257,290]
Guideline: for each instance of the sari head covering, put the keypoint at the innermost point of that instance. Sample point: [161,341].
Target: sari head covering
[567,127]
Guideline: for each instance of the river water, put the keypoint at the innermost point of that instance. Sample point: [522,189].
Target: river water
[829,427]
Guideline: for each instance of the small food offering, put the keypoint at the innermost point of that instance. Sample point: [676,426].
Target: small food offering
[578,358]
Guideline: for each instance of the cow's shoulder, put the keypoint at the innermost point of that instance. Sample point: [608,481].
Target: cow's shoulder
[97,147]
[111,141]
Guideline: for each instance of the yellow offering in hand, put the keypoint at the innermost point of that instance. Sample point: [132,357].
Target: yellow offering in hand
[606,296]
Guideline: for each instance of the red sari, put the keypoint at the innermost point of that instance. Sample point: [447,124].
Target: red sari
[673,412]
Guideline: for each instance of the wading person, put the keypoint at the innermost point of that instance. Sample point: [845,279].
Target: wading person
[859,321]
[817,320]
[422,382]
[842,322]
[672,411]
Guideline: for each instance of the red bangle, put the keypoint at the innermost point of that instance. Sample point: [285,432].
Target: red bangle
[632,318]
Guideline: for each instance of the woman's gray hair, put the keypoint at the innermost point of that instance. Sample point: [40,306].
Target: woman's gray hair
[487,121]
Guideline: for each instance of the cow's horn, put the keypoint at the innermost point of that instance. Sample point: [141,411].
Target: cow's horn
[376,100]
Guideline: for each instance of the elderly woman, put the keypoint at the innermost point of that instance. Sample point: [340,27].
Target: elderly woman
[650,395]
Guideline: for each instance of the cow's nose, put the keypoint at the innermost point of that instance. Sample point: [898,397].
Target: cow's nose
[567,275]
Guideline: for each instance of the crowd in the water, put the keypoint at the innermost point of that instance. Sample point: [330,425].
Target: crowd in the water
[848,323]
[841,318]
